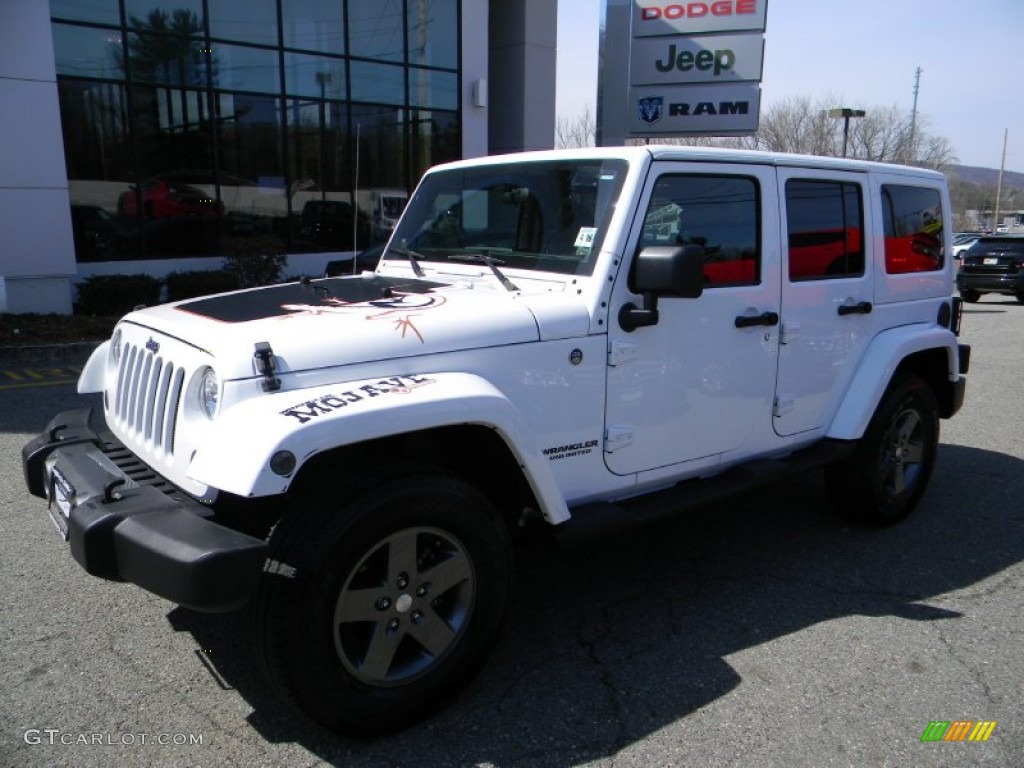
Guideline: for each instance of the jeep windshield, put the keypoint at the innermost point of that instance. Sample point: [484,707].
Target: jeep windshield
[547,216]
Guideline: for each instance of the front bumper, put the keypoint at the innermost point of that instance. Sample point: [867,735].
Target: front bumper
[126,523]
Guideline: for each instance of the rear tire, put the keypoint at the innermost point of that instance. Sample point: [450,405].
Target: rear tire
[970,295]
[396,598]
[889,471]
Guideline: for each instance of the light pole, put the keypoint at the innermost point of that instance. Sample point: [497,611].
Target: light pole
[846,113]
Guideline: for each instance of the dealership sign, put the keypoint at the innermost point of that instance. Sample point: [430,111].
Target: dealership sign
[694,68]
[694,109]
[658,18]
[704,59]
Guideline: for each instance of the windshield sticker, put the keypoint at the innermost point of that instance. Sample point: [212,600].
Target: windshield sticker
[585,240]
[395,385]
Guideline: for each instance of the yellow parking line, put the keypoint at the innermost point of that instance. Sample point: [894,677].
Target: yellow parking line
[38,377]
[38,384]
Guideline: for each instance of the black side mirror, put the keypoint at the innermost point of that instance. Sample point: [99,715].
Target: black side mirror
[663,271]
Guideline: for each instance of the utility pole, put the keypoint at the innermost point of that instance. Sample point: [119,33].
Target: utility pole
[913,116]
[999,185]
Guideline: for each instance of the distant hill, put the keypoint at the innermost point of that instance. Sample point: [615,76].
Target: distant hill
[988,177]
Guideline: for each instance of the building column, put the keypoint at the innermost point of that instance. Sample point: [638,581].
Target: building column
[523,48]
[37,254]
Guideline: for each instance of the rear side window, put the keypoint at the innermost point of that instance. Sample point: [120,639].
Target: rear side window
[719,213]
[825,224]
[913,229]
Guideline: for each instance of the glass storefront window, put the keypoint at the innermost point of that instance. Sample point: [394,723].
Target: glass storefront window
[88,52]
[240,68]
[376,29]
[381,145]
[314,76]
[314,25]
[246,21]
[166,60]
[433,28]
[320,190]
[175,121]
[437,139]
[96,11]
[381,83]
[431,89]
[176,16]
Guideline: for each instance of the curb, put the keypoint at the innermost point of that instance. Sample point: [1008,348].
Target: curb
[32,354]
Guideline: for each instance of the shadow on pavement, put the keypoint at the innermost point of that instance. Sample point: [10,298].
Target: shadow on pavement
[605,645]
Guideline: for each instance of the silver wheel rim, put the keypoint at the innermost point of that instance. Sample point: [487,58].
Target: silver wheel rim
[902,453]
[404,606]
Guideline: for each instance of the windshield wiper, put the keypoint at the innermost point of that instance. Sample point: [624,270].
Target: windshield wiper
[491,263]
[412,256]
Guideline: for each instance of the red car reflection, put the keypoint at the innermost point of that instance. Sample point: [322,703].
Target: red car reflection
[163,198]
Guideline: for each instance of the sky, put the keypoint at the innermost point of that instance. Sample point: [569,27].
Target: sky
[865,52]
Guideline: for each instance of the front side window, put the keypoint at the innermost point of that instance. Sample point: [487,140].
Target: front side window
[718,213]
[548,216]
[825,224]
[913,229]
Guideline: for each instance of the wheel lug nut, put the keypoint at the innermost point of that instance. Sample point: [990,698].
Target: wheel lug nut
[422,589]
[383,603]
[403,581]
[393,625]
[417,617]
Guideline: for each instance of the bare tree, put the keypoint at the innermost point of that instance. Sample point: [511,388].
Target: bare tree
[576,130]
[802,125]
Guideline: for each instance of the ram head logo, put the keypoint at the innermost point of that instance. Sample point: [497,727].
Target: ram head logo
[650,109]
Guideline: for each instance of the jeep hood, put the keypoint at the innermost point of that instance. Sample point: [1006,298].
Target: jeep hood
[340,321]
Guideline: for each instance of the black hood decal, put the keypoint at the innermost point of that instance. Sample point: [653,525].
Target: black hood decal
[281,300]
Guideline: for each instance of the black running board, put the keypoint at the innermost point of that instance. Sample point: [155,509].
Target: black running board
[599,519]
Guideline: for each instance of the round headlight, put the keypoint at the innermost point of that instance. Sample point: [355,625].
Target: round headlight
[115,346]
[209,392]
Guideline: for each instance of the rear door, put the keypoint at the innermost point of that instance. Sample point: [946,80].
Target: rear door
[827,293]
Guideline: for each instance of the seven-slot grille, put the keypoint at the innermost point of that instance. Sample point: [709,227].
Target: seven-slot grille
[148,393]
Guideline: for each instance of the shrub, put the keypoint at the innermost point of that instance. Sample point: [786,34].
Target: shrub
[255,260]
[116,294]
[187,285]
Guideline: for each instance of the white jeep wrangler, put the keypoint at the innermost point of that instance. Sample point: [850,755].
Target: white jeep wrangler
[584,339]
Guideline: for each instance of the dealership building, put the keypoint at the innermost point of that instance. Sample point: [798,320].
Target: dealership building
[158,135]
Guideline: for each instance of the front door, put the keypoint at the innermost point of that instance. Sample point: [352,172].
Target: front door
[701,382]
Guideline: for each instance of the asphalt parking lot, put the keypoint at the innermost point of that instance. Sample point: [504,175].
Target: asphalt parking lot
[762,632]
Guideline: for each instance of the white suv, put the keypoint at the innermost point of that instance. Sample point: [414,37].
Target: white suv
[585,340]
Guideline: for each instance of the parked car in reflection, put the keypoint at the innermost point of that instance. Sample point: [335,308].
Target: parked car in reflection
[95,232]
[167,196]
[329,224]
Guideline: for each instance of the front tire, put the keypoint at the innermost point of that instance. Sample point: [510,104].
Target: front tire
[889,471]
[396,598]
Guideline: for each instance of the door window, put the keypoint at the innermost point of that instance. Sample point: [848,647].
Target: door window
[825,224]
[913,229]
[718,213]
